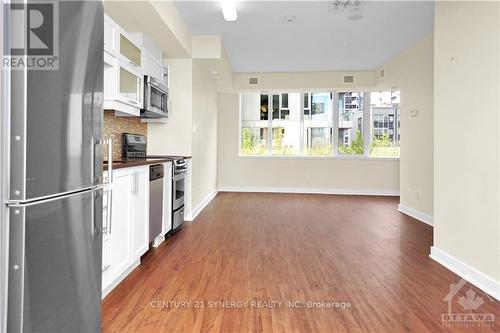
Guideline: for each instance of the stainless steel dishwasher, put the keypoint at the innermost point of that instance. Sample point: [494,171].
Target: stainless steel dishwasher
[155,200]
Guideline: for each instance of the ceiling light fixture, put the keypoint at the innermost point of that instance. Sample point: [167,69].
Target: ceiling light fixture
[229,10]
[290,18]
[353,8]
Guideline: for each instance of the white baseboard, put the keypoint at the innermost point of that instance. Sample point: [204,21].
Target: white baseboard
[197,210]
[468,273]
[119,279]
[158,240]
[427,219]
[309,190]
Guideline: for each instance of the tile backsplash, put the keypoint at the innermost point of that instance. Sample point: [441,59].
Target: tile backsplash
[114,127]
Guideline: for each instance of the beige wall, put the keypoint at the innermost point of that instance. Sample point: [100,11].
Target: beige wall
[204,163]
[325,175]
[412,72]
[175,136]
[467,133]
[301,80]
[191,128]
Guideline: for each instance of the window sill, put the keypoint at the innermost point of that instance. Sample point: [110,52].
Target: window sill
[305,157]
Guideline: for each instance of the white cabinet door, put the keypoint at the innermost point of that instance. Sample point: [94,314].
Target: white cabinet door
[129,50]
[110,38]
[140,212]
[119,230]
[130,86]
[153,67]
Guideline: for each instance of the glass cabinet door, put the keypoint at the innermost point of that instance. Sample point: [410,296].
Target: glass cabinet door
[131,52]
[130,87]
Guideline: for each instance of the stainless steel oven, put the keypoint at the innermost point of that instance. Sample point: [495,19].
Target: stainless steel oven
[155,98]
[178,191]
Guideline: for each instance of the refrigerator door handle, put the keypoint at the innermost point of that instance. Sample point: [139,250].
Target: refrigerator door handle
[92,160]
[109,185]
[92,212]
[109,211]
[109,142]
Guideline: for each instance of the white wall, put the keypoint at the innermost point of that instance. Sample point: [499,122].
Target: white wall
[412,72]
[325,175]
[204,163]
[191,128]
[299,80]
[467,134]
[175,137]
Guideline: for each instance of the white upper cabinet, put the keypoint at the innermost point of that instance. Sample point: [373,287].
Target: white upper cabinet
[127,58]
[130,50]
[110,36]
[130,85]
[123,74]
[152,57]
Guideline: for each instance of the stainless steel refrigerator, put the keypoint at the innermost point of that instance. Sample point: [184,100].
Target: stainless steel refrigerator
[54,181]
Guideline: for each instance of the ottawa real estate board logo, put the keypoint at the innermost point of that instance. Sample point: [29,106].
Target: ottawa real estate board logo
[470,302]
[33,39]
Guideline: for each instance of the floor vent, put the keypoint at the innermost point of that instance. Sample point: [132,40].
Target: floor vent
[348,78]
[253,81]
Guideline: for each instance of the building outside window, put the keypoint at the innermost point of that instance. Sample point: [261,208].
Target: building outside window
[385,111]
[350,108]
[312,123]
[318,124]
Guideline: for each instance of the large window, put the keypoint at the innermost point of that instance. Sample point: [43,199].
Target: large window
[317,124]
[384,109]
[320,124]
[350,129]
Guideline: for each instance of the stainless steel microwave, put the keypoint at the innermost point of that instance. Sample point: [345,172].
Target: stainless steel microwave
[155,98]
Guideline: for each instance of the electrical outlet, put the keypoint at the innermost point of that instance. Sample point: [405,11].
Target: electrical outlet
[419,195]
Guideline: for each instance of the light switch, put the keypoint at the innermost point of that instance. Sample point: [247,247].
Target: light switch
[194,128]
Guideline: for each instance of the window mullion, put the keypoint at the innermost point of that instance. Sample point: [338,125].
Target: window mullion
[270,123]
[367,124]
[301,141]
[335,118]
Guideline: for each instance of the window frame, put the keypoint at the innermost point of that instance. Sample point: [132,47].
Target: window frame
[368,128]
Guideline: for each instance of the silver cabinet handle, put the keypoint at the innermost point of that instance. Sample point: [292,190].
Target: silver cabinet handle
[136,182]
[105,268]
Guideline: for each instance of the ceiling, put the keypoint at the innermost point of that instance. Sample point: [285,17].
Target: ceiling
[319,39]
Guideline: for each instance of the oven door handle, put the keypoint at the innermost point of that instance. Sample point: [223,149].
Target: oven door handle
[180,172]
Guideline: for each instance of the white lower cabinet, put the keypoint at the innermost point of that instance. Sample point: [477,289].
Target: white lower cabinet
[140,214]
[126,232]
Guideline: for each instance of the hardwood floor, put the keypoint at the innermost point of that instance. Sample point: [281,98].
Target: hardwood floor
[291,248]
